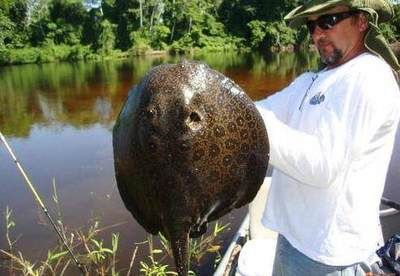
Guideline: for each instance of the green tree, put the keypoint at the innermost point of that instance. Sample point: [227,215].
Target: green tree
[69,16]
[7,28]
[38,22]
[49,30]
[13,23]
[5,6]
[395,23]
[106,41]
[236,14]
[127,21]
[92,27]
[159,37]
[258,32]
[271,35]
[274,10]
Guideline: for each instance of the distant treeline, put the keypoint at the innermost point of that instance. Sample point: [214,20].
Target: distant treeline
[38,31]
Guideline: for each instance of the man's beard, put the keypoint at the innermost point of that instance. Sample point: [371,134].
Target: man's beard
[333,58]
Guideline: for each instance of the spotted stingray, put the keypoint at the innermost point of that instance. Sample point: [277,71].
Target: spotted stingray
[189,146]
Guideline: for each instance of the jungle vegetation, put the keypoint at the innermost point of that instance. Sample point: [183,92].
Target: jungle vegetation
[39,31]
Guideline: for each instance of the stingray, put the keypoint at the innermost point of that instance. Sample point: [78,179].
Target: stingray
[189,146]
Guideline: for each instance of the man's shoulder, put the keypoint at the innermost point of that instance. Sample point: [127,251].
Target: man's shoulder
[367,70]
[376,80]
[369,63]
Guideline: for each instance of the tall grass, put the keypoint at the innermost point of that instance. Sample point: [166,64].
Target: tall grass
[97,257]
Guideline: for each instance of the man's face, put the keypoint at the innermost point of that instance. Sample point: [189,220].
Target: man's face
[342,41]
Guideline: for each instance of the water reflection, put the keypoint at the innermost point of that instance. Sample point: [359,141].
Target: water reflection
[58,118]
[83,94]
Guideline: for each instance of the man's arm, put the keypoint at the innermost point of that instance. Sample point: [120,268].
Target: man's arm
[316,158]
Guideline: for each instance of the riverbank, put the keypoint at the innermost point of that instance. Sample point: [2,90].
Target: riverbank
[59,53]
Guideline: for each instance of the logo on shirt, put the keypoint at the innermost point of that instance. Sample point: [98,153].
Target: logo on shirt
[317,98]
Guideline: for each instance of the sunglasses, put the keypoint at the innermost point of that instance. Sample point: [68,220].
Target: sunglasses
[328,21]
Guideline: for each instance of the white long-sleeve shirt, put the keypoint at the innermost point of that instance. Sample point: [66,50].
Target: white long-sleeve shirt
[331,136]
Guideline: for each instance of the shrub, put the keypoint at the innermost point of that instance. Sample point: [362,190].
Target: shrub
[257,33]
[141,42]
[46,54]
[182,45]
[106,40]
[24,55]
[62,52]
[159,35]
[78,52]
[4,56]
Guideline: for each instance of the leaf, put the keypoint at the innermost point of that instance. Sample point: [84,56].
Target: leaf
[98,244]
[107,250]
[57,256]
[10,224]
[144,265]
[214,248]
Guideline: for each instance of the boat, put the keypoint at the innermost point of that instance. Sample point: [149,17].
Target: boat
[253,244]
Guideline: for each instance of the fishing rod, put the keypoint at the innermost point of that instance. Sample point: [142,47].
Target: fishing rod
[41,204]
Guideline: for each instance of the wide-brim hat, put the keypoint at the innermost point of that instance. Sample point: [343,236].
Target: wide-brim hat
[379,11]
[382,8]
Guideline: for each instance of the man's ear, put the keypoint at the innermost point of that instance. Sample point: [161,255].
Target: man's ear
[362,22]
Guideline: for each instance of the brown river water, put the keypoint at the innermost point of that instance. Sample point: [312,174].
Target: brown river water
[58,119]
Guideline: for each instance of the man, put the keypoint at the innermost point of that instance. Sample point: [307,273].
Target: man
[331,136]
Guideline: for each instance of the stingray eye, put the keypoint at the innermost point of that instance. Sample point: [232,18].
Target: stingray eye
[150,113]
[195,117]
[193,121]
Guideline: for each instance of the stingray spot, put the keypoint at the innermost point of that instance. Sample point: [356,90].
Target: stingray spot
[240,121]
[221,99]
[203,134]
[227,160]
[230,144]
[198,154]
[219,131]
[244,148]
[209,109]
[244,134]
[232,127]
[214,150]
[248,116]
[252,124]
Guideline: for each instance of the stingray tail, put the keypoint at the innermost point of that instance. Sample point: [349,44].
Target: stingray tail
[180,249]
